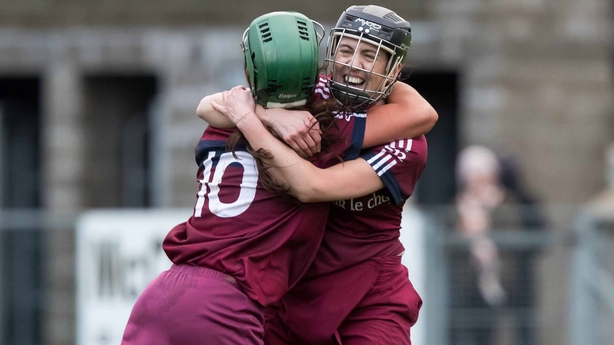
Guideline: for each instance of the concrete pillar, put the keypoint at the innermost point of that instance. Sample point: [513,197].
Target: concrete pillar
[62,166]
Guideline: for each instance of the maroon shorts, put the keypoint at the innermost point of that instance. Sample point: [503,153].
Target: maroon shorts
[372,303]
[194,305]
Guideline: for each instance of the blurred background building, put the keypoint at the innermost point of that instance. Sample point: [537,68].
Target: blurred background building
[97,110]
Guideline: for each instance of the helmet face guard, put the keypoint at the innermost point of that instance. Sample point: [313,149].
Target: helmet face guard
[281,51]
[379,27]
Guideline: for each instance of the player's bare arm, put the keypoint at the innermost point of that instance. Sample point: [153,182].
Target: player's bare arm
[297,128]
[307,183]
[213,117]
[406,114]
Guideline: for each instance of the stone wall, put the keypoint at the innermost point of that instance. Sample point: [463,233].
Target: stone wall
[62,13]
[536,80]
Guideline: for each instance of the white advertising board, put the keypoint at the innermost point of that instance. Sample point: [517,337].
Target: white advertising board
[413,238]
[118,254]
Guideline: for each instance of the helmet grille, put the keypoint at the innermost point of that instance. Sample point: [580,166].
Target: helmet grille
[302,30]
[265,32]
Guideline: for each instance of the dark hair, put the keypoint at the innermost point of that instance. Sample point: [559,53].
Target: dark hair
[405,73]
[322,110]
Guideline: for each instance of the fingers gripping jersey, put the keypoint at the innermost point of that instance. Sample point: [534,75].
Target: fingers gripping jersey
[264,240]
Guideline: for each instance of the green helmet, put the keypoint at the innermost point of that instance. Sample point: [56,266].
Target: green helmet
[281,51]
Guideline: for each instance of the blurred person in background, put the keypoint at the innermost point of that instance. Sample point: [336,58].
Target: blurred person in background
[357,291]
[496,281]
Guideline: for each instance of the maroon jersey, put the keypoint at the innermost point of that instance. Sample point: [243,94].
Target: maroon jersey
[264,240]
[361,236]
[366,227]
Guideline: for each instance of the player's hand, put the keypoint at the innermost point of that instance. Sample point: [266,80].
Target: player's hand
[298,128]
[238,103]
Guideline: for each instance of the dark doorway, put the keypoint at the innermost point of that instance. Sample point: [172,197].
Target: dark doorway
[117,109]
[437,184]
[20,182]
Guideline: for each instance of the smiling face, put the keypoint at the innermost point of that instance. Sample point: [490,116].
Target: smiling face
[360,65]
[361,68]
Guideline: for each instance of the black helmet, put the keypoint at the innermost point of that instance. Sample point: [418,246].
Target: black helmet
[380,27]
